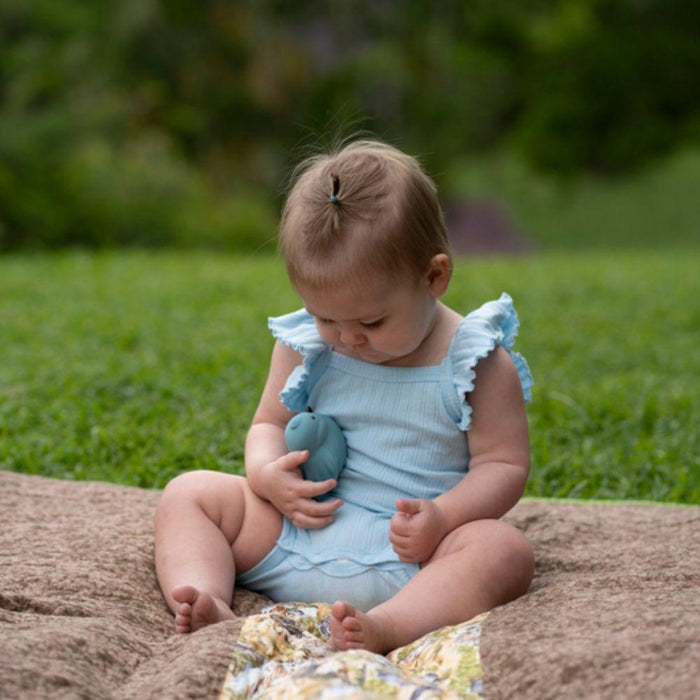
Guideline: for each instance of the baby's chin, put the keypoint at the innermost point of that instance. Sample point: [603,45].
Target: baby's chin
[372,356]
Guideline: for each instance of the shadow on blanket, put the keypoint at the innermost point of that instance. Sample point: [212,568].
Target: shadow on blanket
[614,610]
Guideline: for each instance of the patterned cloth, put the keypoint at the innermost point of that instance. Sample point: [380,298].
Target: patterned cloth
[284,653]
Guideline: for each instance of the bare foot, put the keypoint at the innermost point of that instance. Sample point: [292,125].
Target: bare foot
[198,609]
[353,629]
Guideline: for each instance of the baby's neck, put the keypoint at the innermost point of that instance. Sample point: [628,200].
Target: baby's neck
[433,350]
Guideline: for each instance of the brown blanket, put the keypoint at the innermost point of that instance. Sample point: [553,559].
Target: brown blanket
[614,610]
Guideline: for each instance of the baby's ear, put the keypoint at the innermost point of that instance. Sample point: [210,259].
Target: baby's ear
[439,274]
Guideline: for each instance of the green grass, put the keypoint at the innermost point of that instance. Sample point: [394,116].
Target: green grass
[133,367]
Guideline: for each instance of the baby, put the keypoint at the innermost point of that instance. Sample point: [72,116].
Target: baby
[432,405]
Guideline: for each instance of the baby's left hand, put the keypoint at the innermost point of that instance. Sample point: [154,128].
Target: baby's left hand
[416,529]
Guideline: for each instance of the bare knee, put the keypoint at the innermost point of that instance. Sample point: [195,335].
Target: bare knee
[200,489]
[501,553]
[523,556]
[201,483]
[512,558]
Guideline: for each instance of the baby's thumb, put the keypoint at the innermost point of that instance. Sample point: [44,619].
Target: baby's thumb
[409,506]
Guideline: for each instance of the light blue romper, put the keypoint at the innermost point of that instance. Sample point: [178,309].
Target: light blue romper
[405,430]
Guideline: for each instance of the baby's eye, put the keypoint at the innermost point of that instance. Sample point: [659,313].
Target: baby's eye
[324,321]
[373,324]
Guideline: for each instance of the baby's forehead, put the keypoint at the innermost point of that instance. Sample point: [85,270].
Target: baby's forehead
[368,302]
[345,304]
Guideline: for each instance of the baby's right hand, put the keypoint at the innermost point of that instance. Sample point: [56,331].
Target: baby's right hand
[293,496]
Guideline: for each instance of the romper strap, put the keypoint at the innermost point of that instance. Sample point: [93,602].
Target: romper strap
[495,323]
[298,331]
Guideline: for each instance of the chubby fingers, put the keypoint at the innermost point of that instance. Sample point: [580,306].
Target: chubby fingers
[400,528]
[409,506]
[401,520]
[311,489]
[399,540]
[313,515]
[403,546]
[292,460]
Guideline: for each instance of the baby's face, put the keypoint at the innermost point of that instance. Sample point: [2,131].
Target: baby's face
[382,323]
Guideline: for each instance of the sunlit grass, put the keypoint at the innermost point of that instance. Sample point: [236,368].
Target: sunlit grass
[134,367]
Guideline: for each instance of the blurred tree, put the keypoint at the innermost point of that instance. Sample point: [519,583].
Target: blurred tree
[609,84]
[156,121]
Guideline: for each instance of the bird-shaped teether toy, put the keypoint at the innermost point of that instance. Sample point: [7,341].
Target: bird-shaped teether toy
[324,440]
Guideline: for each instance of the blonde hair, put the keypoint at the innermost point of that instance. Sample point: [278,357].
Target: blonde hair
[363,210]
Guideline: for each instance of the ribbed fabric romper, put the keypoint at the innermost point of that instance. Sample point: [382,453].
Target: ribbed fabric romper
[405,431]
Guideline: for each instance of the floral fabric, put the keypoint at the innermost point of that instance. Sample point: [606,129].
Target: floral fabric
[284,653]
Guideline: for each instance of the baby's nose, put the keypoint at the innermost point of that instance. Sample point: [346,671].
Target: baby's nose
[351,336]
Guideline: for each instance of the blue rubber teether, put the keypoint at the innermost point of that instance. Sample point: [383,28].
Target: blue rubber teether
[324,440]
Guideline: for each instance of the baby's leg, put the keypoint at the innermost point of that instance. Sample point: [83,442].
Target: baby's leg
[475,568]
[208,525]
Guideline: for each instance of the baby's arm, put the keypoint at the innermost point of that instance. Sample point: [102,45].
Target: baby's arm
[498,467]
[273,472]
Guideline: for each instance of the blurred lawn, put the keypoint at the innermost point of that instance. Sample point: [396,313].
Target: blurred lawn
[132,367]
[654,208]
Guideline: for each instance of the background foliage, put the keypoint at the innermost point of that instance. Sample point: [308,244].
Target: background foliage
[148,122]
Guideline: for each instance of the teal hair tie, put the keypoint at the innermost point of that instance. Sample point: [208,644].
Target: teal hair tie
[336,188]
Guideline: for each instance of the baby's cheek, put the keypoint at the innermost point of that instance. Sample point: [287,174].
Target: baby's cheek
[327,335]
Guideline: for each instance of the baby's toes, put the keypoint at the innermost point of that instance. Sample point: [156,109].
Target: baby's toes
[351,625]
[354,637]
[183,618]
[182,623]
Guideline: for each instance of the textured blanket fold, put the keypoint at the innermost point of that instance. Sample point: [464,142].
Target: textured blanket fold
[614,610]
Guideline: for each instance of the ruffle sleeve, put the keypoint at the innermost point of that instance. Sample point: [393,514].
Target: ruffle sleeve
[494,323]
[298,331]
